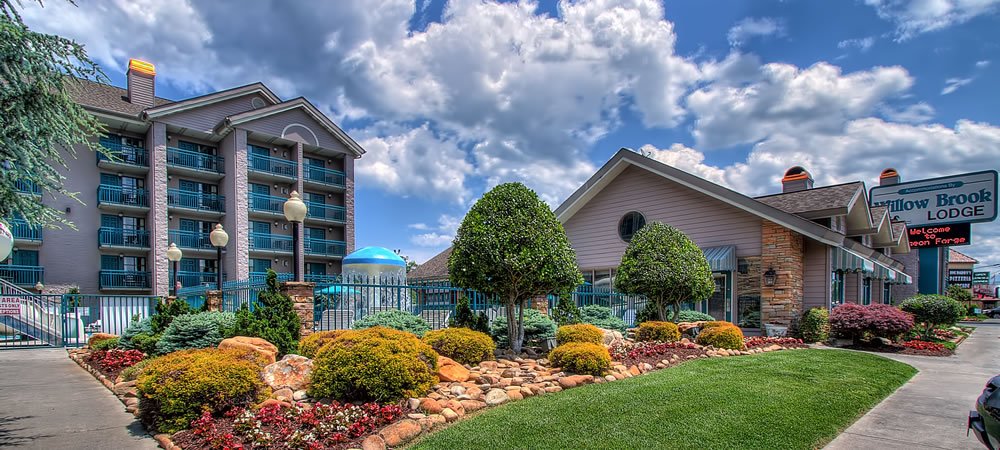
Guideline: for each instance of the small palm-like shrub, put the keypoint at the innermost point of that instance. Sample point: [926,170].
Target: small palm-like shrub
[815,325]
[310,345]
[537,328]
[583,332]
[600,317]
[199,330]
[461,344]
[658,331]
[582,358]
[377,363]
[722,337]
[395,319]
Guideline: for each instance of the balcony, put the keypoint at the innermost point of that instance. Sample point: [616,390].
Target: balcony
[270,243]
[122,156]
[196,201]
[27,187]
[324,177]
[23,232]
[26,276]
[189,279]
[123,280]
[121,238]
[323,247]
[328,213]
[122,196]
[191,240]
[271,167]
[267,204]
[315,278]
[189,161]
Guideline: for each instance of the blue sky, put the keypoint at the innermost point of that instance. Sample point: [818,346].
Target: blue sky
[450,98]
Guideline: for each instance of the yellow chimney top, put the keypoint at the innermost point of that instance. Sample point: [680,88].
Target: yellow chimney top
[141,66]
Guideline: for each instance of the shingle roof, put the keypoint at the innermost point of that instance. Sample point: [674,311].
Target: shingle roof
[898,228]
[955,256]
[107,98]
[815,199]
[877,213]
[434,268]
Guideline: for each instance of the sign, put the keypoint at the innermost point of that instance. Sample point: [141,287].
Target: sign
[10,306]
[960,277]
[981,278]
[966,198]
[940,235]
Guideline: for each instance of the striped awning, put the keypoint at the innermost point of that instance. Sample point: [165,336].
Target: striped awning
[848,261]
[721,259]
[903,278]
[882,272]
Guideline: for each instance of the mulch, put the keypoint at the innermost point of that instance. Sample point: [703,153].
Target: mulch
[683,353]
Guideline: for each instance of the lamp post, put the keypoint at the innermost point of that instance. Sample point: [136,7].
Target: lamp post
[295,212]
[219,240]
[174,255]
[6,241]
[39,287]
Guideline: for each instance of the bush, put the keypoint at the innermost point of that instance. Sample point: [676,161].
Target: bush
[395,319]
[658,331]
[99,337]
[273,318]
[310,345]
[730,337]
[583,332]
[717,323]
[849,320]
[115,359]
[566,312]
[461,344]
[600,317]
[887,321]
[132,372]
[165,314]
[375,363]
[199,330]
[466,318]
[145,343]
[537,328]
[175,389]
[104,344]
[688,315]
[815,325]
[135,327]
[933,311]
[581,358]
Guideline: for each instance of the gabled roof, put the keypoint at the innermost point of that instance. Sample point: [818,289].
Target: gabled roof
[625,158]
[107,98]
[957,257]
[297,103]
[818,202]
[434,269]
[208,99]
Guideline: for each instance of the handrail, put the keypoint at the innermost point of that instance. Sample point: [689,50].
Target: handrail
[324,175]
[195,160]
[123,153]
[22,275]
[325,247]
[271,165]
[22,230]
[190,239]
[270,242]
[326,212]
[119,237]
[121,195]
[196,200]
[123,279]
[267,203]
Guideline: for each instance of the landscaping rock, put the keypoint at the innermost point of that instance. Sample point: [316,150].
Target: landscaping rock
[413,403]
[515,395]
[431,406]
[300,395]
[373,442]
[122,389]
[496,397]
[456,406]
[611,337]
[400,432]
[293,372]
[264,348]
[472,405]
[449,415]
[283,395]
[451,371]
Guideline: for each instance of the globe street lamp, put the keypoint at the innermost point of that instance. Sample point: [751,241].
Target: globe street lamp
[174,255]
[219,240]
[6,241]
[295,212]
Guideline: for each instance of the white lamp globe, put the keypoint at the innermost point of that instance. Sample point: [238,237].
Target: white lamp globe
[218,236]
[6,241]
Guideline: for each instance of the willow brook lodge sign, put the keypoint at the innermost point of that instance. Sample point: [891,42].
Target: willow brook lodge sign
[966,198]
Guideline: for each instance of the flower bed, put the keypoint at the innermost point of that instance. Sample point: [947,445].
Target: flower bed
[765,341]
[112,362]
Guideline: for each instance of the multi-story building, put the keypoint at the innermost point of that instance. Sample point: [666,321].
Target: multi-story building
[177,169]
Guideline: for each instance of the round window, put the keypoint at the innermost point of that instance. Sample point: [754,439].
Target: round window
[630,224]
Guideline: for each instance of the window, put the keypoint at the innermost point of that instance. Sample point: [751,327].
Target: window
[316,268]
[630,224]
[258,265]
[837,285]
[866,291]
[886,293]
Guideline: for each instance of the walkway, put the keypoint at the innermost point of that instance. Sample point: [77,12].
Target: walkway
[48,402]
[930,412]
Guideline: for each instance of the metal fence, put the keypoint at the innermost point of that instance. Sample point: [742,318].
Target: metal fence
[29,320]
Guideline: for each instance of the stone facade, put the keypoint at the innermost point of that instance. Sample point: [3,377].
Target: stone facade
[156,142]
[213,300]
[301,294]
[783,250]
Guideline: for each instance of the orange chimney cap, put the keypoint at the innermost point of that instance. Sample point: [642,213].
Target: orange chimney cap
[796,173]
[141,66]
[888,173]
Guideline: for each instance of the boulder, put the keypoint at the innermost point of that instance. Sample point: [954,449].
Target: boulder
[431,406]
[283,395]
[264,348]
[496,397]
[611,337]
[373,442]
[292,372]
[456,406]
[401,432]
[472,405]
[451,371]
[449,415]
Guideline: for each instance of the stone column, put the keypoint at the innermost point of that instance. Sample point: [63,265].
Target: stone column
[782,250]
[158,221]
[300,176]
[349,203]
[301,294]
[236,222]
[214,300]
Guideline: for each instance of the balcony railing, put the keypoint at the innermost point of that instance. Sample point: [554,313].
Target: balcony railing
[196,200]
[325,247]
[123,154]
[270,242]
[121,195]
[117,237]
[270,165]
[190,239]
[23,231]
[267,203]
[189,279]
[325,176]
[317,278]
[27,187]
[326,212]
[22,275]
[124,279]
[195,160]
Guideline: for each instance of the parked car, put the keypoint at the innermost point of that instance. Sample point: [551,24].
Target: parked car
[994,313]
[985,420]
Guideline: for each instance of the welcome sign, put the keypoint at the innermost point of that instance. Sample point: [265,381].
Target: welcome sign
[966,198]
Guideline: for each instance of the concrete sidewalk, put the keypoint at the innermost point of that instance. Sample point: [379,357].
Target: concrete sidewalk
[48,402]
[931,410]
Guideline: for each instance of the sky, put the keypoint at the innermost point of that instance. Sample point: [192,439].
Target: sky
[452,98]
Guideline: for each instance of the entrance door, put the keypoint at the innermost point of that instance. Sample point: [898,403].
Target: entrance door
[718,303]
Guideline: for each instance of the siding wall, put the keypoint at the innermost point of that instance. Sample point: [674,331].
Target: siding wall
[274,125]
[816,281]
[852,287]
[204,119]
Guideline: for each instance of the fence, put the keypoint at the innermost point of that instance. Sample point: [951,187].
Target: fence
[28,320]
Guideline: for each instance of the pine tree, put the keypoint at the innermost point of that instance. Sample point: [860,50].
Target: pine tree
[274,317]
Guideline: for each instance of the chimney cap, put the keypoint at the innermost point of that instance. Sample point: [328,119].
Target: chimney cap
[796,173]
[889,173]
[141,66]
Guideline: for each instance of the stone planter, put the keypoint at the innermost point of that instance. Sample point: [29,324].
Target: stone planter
[771,330]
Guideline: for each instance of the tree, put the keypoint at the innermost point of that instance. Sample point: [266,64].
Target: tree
[410,264]
[663,264]
[39,121]
[510,245]
[960,295]
[273,318]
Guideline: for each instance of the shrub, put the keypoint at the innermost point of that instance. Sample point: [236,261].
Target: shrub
[175,389]
[115,359]
[165,314]
[461,344]
[537,328]
[722,337]
[600,317]
[273,318]
[933,310]
[815,325]
[310,345]
[135,327]
[583,332]
[199,330]
[104,344]
[395,319]
[582,358]
[132,372]
[688,315]
[717,323]
[466,318]
[849,320]
[888,321]
[566,312]
[658,331]
[145,343]
[99,337]
[375,363]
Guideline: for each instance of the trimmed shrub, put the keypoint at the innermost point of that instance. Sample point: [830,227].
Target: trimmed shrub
[600,317]
[98,337]
[658,331]
[395,319]
[104,344]
[537,328]
[466,318]
[461,344]
[377,363]
[134,328]
[581,358]
[815,325]
[175,389]
[199,330]
[310,345]
[583,332]
[688,315]
[566,312]
[132,373]
[887,321]
[933,311]
[730,337]
[717,323]
[849,321]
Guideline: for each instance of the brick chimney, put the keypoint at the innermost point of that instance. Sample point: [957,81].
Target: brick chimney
[796,179]
[888,177]
[141,88]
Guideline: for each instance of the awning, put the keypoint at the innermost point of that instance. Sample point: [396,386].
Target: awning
[848,261]
[903,278]
[882,272]
[721,259]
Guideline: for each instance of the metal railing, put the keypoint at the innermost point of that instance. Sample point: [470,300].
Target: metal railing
[325,176]
[123,279]
[118,237]
[325,247]
[195,160]
[266,203]
[192,278]
[20,275]
[123,154]
[321,211]
[27,187]
[270,242]
[271,165]
[121,195]
[178,198]
[190,239]
[22,230]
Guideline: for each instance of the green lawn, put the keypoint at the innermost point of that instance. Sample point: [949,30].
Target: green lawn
[790,399]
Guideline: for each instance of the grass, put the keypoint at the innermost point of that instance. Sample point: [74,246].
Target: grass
[790,400]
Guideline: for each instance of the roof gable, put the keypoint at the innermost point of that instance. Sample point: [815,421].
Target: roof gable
[297,130]
[209,99]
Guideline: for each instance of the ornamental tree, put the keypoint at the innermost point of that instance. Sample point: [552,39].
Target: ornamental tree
[933,310]
[511,246]
[663,264]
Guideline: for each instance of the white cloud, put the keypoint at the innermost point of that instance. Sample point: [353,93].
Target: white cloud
[915,113]
[440,235]
[862,44]
[751,27]
[952,84]
[915,17]
[982,64]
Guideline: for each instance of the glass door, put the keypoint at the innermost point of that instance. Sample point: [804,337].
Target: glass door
[718,303]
